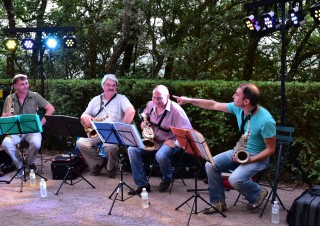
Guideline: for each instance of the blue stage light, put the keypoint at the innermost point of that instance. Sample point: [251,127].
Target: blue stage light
[270,21]
[296,16]
[51,42]
[28,43]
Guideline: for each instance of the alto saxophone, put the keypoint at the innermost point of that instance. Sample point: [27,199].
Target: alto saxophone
[91,132]
[9,107]
[239,152]
[148,135]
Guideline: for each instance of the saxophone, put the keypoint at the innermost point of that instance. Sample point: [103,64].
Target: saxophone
[148,135]
[91,132]
[239,152]
[9,107]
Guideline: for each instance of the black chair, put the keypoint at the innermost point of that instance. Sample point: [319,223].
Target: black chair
[176,166]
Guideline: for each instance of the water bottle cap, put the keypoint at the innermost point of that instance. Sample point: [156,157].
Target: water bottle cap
[42,179]
[144,189]
[275,202]
[31,170]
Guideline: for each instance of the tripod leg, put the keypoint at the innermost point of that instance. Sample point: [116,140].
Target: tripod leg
[185,202]
[114,199]
[75,171]
[64,181]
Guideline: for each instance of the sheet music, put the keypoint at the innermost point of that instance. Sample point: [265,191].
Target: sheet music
[118,133]
[193,142]
[202,145]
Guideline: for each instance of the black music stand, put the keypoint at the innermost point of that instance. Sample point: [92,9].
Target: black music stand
[123,135]
[20,124]
[67,126]
[194,144]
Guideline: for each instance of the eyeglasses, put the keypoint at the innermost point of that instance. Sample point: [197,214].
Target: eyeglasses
[157,98]
[109,85]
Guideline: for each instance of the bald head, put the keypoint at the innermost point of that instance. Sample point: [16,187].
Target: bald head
[163,90]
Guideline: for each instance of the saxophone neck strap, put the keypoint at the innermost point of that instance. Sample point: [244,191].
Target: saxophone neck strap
[101,103]
[160,121]
[245,119]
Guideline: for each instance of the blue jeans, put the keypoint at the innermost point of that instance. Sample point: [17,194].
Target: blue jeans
[240,178]
[163,158]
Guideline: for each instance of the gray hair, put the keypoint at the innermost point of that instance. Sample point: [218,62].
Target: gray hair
[109,76]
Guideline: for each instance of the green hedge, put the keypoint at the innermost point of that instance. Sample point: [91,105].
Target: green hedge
[70,97]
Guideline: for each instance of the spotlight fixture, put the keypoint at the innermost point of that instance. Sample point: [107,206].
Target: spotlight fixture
[296,16]
[51,42]
[252,23]
[270,21]
[69,41]
[11,44]
[28,43]
[315,13]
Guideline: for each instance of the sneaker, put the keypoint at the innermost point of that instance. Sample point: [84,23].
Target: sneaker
[262,195]
[139,190]
[164,185]
[221,206]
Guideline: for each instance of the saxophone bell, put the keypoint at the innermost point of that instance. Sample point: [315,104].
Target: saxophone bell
[147,134]
[241,156]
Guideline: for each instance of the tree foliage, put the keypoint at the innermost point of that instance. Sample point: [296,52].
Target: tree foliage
[173,39]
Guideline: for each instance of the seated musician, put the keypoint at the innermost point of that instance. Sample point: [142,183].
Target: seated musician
[162,113]
[107,107]
[260,143]
[24,101]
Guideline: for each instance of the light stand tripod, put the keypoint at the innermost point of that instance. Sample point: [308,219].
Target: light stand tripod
[193,143]
[67,126]
[17,125]
[124,135]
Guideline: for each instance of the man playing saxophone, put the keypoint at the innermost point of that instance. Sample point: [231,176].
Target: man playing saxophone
[107,107]
[259,142]
[24,101]
[161,113]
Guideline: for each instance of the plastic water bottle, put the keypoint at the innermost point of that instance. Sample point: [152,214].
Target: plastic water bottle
[275,214]
[43,188]
[145,198]
[32,176]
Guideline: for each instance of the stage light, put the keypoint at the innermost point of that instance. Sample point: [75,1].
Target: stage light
[11,44]
[69,41]
[270,21]
[252,23]
[315,13]
[28,43]
[51,42]
[296,16]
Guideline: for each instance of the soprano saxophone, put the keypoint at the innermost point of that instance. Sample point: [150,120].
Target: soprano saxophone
[9,107]
[239,152]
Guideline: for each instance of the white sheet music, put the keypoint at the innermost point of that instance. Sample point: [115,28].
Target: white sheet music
[201,144]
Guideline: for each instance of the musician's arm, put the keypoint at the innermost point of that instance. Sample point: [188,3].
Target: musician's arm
[49,111]
[129,115]
[267,152]
[202,103]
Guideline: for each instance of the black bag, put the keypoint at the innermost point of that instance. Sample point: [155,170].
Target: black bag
[6,164]
[305,210]
[61,164]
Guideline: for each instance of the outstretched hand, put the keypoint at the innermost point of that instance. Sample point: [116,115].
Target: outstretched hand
[180,100]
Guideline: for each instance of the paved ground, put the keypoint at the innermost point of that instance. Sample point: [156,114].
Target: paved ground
[80,204]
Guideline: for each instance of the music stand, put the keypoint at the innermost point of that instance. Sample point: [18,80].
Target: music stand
[67,126]
[123,135]
[20,124]
[194,144]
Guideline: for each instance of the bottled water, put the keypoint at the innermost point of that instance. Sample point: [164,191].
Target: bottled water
[43,188]
[275,214]
[145,198]
[32,176]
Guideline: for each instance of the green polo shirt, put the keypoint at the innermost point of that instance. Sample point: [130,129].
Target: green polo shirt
[32,103]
